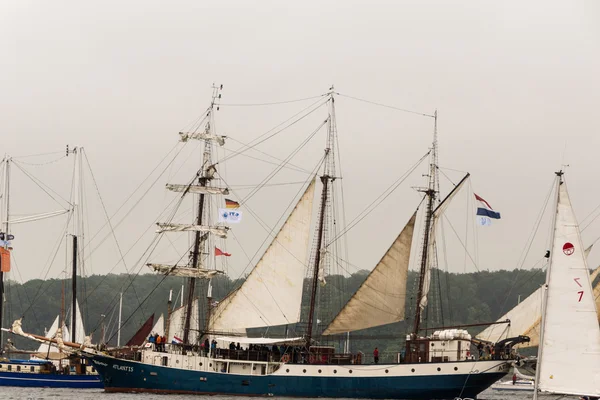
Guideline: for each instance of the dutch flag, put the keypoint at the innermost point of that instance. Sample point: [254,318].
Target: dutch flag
[176,340]
[485,211]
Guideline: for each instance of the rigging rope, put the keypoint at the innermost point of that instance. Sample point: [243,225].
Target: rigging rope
[260,139]
[378,200]
[273,103]
[386,106]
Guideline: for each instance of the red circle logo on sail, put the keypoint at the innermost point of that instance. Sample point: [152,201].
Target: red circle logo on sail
[568,248]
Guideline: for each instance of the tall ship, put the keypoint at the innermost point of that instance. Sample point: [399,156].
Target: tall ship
[48,366]
[439,365]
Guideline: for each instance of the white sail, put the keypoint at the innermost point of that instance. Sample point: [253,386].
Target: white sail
[220,231]
[177,322]
[49,334]
[431,253]
[524,320]
[569,352]
[272,292]
[197,189]
[187,272]
[159,326]
[185,136]
[381,299]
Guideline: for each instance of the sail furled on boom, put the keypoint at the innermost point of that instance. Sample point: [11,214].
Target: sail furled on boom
[431,250]
[381,299]
[272,292]
[185,136]
[220,231]
[184,271]
[197,189]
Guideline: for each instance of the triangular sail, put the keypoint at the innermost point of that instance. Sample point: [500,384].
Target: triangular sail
[159,326]
[272,292]
[381,299]
[525,318]
[140,336]
[177,322]
[569,355]
[51,332]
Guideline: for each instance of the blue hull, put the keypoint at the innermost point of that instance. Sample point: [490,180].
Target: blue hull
[50,380]
[128,376]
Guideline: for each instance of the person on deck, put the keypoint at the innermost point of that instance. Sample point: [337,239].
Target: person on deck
[376,355]
[206,347]
[158,343]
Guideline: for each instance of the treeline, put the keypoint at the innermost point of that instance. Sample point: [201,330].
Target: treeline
[454,299]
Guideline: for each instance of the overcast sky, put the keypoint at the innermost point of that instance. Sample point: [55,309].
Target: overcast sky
[515,83]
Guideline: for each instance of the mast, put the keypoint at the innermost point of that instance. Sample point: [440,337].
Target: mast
[204,176]
[74,291]
[559,182]
[5,238]
[431,193]
[120,315]
[326,179]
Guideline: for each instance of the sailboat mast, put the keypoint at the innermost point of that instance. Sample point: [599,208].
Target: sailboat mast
[430,192]
[6,233]
[195,256]
[74,290]
[315,278]
[326,178]
[559,182]
[199,237]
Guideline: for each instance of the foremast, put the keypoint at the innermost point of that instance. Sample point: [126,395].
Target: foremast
[327,179]
[431,192]
[197,268]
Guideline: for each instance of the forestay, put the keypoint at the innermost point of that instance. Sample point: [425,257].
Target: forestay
[569,355]
[272,292]
[381,299]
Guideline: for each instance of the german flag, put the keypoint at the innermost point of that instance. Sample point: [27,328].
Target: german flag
[231,204]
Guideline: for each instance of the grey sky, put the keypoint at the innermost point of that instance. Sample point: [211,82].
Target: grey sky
[516,85]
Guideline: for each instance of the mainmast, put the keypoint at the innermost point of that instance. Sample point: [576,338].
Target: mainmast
[326,179]
[431,194]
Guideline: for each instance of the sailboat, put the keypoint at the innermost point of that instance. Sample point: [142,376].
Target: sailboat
[437,366]
[50,366]
[569,348]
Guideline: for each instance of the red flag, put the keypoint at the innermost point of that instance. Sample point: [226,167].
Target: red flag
[219,252]
[5,259]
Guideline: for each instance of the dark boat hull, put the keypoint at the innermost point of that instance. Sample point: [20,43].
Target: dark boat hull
[50,380]
[129,376]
